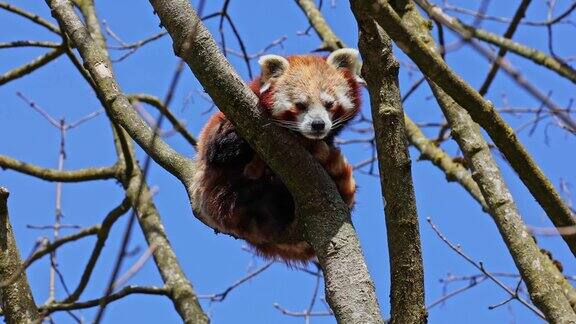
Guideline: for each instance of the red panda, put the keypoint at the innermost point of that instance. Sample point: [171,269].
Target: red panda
[234,189]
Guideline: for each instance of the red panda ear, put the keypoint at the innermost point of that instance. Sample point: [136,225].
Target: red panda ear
[346,58]
[272,67]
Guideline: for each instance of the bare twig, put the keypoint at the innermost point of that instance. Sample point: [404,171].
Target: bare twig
[480,266]
[222,295]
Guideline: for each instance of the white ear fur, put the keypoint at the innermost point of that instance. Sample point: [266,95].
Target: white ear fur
[347,58]
[272,66]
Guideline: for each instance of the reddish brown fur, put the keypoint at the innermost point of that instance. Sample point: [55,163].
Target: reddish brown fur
[232,183]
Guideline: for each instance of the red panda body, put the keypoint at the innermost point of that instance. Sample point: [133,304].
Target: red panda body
[237,192]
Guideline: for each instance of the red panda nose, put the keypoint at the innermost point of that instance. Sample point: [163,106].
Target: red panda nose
[318,125]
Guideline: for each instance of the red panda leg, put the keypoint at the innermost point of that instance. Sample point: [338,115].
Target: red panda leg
[339,169]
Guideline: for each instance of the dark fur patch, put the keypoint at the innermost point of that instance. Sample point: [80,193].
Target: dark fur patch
[229,150]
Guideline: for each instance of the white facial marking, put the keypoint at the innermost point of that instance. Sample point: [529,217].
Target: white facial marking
[281,103]
[265,87]
[315,114]
[325,97]
[300,97]
[343,99]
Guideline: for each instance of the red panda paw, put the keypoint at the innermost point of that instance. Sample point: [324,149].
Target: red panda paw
[339,169]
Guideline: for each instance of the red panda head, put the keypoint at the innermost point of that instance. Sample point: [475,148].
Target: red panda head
[310,94]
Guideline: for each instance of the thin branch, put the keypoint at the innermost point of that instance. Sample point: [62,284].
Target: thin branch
[31,66]
[103,231]
[329,40]
[88,174]
[533,90]
[532,54]
[133,270]
[28,43]
[117,104]
[480,266]
[520,12]
[128,290]
[30,16]
[550,21]
[157,103]
[445,297]
[222,295]
[48,247]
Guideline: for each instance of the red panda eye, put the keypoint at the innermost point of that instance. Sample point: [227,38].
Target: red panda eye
[328,105]
[300,106]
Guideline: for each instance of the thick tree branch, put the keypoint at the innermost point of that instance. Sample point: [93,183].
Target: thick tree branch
[16,299]
[180,290]
[325,218]
[530,261]
[526,254]
[380,70]
[407,296]
[55,175]
[482,112]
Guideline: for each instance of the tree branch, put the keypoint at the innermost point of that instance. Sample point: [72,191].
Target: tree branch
[330,41]
[180,289]
[128,290]
[428,150]
[103,232]
[30,16]
[52,246]
[526,254]
[324,216]
[467,31]
[16,299]
[380,70]
[518,16]
[88,174]
[31,66]
[482,112]
[454,171]
[117,105]
[158,104]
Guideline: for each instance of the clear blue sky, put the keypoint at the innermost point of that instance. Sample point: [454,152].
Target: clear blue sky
[212,262]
